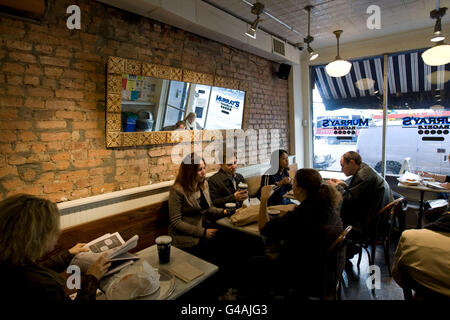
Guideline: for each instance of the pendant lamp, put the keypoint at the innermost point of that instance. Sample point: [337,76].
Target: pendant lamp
[312,54]
[439,54]
[339,67]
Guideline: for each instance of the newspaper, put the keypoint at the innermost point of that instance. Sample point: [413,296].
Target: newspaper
[115,248]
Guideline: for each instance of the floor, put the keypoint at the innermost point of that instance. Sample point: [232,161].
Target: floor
[354,285]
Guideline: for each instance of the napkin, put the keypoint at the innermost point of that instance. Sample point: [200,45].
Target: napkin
[186,272]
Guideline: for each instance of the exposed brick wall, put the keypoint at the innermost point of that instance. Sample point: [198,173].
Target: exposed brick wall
[52,99]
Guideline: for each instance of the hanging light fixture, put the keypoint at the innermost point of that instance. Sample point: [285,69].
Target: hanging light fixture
[312,54]
[257,9]
[339,67]
[439,54]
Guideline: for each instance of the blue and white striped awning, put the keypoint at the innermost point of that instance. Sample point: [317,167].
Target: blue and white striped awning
[410,82]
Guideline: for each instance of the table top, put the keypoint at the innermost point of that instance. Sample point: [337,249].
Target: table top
[178,256]
[422,187]
[251,228]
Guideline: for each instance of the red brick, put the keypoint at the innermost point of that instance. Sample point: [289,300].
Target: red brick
[14,91]
[43,48]
[57,187]
[55,136]
[22,57]
[105,188]
[59,104]
[81,193]
[27,136]
[13,68]
[48,166]
[7,137]
[33,69]
[28,175]
[53,71]
[60,62]
[33,190]
[11,101]
[62,165]
[46,177]
[61,52]
[101,171]
[11,184]
[74,74]
[75,115]
[99,153]
[15,125]
[20,45]
[38,147]
[33,80]
[7,171]
[61,156]
[87,163]
[51,124]
[76,125]
[73,176]
[69,94]
[40,92]
[37,103]
[94,134]
[5,148]
[54,146]
[14,80]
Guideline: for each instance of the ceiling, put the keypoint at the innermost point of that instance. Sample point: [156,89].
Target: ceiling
[329,15]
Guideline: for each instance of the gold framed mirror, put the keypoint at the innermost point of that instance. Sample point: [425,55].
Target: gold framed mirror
[118,68]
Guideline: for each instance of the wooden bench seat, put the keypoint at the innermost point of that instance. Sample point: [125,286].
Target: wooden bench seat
[147,222]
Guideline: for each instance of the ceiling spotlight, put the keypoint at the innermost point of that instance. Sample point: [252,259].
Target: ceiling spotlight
[439,54]
[312,54]
[257,9]
[339,67]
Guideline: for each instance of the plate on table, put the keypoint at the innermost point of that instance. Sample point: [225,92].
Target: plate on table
[166,287]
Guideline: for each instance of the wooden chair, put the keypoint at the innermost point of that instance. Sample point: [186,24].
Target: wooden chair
[333,268]
[381,233]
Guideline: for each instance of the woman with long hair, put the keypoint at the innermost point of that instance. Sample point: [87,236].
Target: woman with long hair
[306,232]
[190,207]
[278,175]
[29,228]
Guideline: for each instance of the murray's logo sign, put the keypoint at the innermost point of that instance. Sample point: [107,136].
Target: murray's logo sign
[428,125]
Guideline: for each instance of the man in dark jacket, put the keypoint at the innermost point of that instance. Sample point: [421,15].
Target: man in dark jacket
[363,197]
[223,186]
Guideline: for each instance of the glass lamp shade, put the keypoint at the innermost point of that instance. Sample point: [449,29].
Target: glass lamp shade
[437,55]
[251,33]
[338,68]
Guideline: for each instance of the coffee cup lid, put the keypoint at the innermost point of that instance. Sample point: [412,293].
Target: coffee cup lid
[242,185]
[163,240]
[273,212]
[230,205]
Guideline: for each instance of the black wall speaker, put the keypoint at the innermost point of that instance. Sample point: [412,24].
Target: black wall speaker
[283,71]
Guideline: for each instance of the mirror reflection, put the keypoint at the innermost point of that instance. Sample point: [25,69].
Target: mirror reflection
[151,104]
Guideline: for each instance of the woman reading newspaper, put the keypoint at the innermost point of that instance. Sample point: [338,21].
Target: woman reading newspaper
[29,228]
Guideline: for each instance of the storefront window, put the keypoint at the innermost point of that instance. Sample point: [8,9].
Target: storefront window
[348,114]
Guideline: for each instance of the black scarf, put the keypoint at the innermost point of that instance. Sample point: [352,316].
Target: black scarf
[441,225]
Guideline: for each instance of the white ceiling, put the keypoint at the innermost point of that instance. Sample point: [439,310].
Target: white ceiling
[348,15]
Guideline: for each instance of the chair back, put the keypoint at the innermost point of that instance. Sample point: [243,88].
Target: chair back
[335,264]
[385,218]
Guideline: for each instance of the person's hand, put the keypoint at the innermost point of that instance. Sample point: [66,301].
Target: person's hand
[446,185]
[336,182]
[285,180]
[241,195]
[79,247]
[210,233]
[99,268]
[266,192]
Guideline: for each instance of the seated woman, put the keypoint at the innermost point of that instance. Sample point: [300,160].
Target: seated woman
[29,228]
[190,206]
[307,232]
[278,175]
